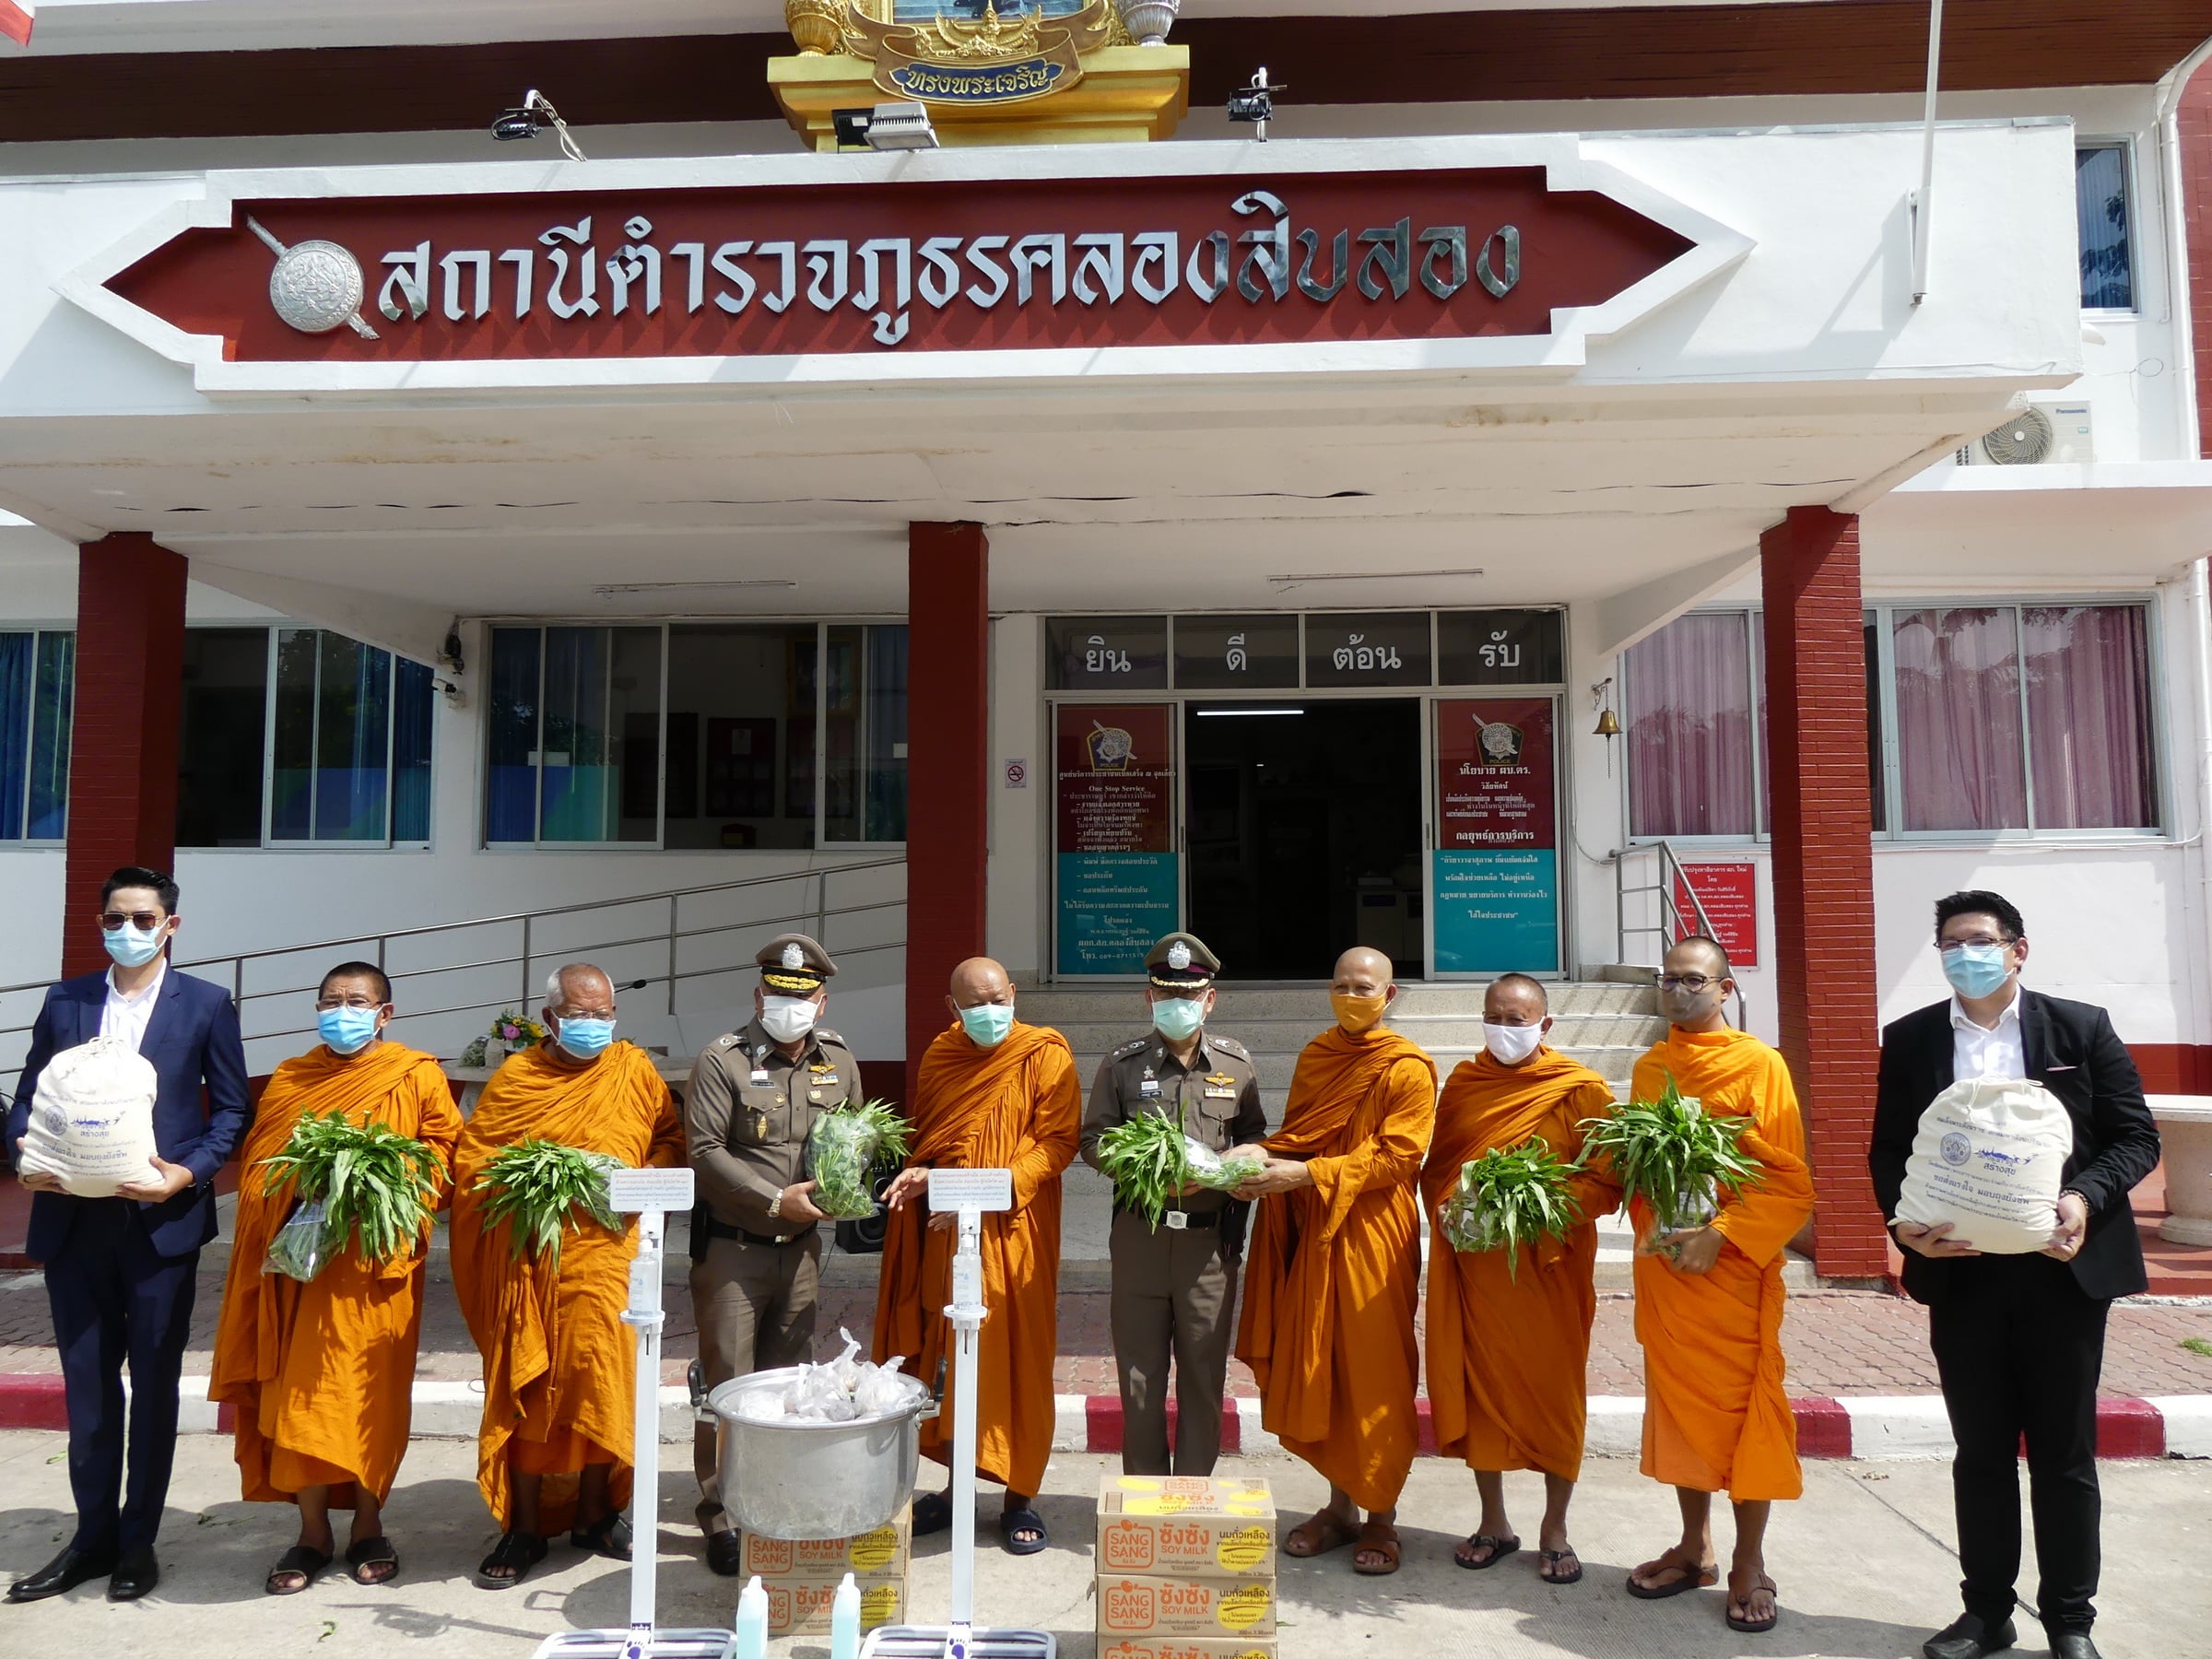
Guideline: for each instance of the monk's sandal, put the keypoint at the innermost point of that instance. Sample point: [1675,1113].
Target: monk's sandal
[298,1562]
[511,1560]
[609,1536]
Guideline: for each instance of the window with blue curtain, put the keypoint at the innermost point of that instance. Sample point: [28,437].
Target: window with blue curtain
[575,740]
[37,669]
[2101,205]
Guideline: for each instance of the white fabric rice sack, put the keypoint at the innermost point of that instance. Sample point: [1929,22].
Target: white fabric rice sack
[1988,1158]
[92,1118]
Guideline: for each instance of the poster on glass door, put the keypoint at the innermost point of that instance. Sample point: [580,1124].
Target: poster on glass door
[1496,864]
[1116,882]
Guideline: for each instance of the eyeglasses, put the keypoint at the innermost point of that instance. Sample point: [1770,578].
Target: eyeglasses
[1979,942]
[143,921]
[1692,982]
[323,1005]
[606,1013]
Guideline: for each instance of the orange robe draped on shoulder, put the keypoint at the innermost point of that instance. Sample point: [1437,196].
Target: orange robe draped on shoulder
[1715,1412]
[1509,1348]
[1334,1272]
[1018,1107]
[320,1373]
[560,1365]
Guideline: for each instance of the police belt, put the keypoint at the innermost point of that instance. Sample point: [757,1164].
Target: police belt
[1191,1218]
[702,1222]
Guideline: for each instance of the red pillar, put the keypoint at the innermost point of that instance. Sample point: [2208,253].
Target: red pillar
[948,735]
[1822,822]
[122,727]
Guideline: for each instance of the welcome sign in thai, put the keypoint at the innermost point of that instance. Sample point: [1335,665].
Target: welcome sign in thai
[902,266]
[1496,865]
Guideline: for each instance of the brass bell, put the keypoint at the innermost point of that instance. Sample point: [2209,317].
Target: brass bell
[1607,725]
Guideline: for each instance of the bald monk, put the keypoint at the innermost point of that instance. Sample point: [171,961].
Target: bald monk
[1509,1344]
[321,1372]
[1335,1266]
[1709,1299]
[559,1366]
[991,1094]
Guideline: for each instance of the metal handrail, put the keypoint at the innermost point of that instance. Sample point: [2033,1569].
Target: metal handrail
[1669,928]
[820,914]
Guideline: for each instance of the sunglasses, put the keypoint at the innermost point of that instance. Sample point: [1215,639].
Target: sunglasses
[143,921]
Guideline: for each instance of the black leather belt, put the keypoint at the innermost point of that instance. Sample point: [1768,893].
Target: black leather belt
[1191,1218]
[722,1229]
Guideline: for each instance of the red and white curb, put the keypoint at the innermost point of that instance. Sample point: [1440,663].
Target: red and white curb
[1869,1427]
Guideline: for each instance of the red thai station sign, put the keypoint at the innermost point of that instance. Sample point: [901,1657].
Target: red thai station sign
[839,257]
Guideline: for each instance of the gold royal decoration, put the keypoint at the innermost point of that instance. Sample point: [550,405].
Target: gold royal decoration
[818,26]
[996,59]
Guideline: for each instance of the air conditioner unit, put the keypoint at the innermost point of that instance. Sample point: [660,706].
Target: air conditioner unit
[2039,433]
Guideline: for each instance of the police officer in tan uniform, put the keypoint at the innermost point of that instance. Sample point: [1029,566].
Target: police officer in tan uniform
[755,1250]
[1175,1286]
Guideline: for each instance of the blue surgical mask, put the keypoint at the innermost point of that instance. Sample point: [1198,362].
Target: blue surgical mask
[347,1031]
[1977,970]
[1178,1017]
[585,1039]
[131,947]
[987,1023]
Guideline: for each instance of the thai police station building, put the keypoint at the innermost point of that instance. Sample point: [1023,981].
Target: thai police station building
[1537,499]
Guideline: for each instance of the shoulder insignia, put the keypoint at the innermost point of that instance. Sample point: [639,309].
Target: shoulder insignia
[1230,1043]
[824,1035]
[1135,1046]
[728,1042]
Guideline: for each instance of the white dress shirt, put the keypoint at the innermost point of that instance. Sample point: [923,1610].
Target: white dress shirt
[1979,1052]
[127,1016]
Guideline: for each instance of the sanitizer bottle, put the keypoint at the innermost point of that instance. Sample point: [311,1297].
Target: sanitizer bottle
[752,1622]
[844,1622]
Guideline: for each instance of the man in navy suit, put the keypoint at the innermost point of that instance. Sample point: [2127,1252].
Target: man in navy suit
[2018,1339]
[120,1272]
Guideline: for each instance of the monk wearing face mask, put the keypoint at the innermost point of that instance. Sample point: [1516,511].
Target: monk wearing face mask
[1332,1273]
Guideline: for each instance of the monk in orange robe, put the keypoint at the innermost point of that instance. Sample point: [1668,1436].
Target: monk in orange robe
[1334,1269]
[320,1374]
[1509,1342]
[1709,1299]
[991,1094]
[560,1365]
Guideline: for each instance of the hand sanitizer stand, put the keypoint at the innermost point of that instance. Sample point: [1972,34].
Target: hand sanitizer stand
[650,1195]
[968,1193]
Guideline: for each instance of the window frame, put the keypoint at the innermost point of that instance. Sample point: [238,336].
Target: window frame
[38,630]
[667,625]
[1761,834]
[2132,197]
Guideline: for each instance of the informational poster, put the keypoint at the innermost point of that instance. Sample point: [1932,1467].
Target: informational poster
[1730,894]
[1496,876]
[1113,770]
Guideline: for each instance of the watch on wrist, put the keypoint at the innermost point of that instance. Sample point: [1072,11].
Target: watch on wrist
[775,1205]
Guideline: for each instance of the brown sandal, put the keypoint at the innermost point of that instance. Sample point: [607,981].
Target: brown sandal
[1381,1537]
[1701,1577]
[1317,1536]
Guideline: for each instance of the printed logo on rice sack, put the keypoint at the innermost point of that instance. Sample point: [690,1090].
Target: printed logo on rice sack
[1126,1547]
[1126,1607]
[1245,1549]
[1245,1606]
[1957,1149]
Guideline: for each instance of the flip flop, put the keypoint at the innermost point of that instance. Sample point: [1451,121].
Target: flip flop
[517,1552]
[1381,1537]
[1693,1578]
[609,1536]
[1552,1558]
[1753,1627]
[1499,1546]
[373,1552]
[299,1559]
[1022,1521]
[1317,1536]
[932,1513]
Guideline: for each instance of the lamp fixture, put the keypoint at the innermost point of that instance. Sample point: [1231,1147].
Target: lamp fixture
[530,117]
[614,590]
[887,126]
[1254,103]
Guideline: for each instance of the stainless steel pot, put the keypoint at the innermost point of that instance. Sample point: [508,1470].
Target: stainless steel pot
[792,1479]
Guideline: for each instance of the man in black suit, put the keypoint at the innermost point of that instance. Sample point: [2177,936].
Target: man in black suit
[120,1272]
[2018,1339]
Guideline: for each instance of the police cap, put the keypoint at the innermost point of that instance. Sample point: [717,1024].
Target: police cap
[794,965]
[1182,963]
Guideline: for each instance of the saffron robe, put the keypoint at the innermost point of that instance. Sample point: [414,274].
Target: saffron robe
[1018,1106]
[1333,1276]
[1509,1347]
[560,1365]
[1716,1416]
[320,1374]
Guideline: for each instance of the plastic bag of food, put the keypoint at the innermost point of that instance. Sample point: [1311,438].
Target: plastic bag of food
[761,1405]
[845,1148]
[882,1388]
[302,1246]
[1988,1158]
[1222,1172]
[818,1397]
[92,1118]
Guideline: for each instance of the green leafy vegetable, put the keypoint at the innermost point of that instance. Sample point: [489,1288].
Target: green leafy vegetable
[373,1183]
[845,1148]
[1667,1152]
[1507,1197]
[537,1187]
[1150,1160]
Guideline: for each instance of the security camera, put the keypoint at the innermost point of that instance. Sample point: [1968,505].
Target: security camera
[531,117]
[1254,103]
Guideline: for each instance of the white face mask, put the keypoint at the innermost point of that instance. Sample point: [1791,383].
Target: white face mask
[788,1019]
[1510,1045]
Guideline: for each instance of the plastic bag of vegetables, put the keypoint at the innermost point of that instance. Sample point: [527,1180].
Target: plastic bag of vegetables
[1507,1197]
[301,1247]
[845,1148]
[1670,1154]
[365,1182]
[1222,1172]
[1150,1160]
[544,1190]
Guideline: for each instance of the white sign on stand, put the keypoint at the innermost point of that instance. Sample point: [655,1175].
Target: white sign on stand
[953,1190]
[629,1190]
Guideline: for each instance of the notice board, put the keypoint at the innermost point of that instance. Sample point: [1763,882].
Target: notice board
[1116,884]
[1730,894]
[1496,864]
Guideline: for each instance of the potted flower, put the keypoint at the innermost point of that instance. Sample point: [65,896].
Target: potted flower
[511,1033]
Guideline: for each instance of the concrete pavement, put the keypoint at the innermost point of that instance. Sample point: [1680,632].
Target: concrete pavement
[1865,1563]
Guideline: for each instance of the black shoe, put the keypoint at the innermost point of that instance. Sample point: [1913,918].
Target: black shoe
[725,1551]
[65,1571]
[2072,1644]
[136,1575]
[1969,1637]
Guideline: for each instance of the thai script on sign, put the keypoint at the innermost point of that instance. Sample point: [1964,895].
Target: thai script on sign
[1495,656]
[953,84]
[567,273]
[1354,654]
[1102,658]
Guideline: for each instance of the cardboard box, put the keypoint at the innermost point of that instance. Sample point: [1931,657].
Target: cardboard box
[1174,1607]
[1165,1527]
[1186,1647]
[1186,1494]
[883,1553]
[803,1609]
